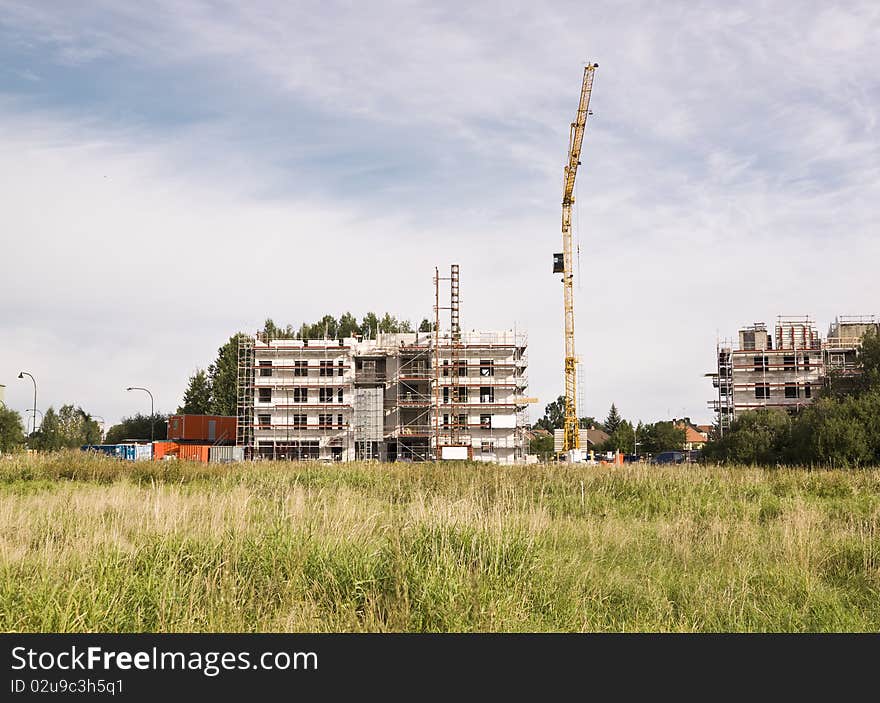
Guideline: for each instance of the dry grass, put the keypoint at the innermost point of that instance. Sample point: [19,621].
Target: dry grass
[89,543]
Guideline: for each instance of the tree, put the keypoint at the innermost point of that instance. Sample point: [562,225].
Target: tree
[388,324]
[348,326]
[612,422]
[223,378]
[660,437]
[138,427]
[868,360]
[272,331]
[326,327]
[370,325]
[425,325]
[761,436]
[11,430]
[197,397]
[542,445]
[554,415]
[69,427]
[621,440]
[835,432]
[47,438]
[589,423]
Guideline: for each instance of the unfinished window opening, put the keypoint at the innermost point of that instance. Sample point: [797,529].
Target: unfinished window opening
[265,368]
[325,368]
[299,422]
[339,396]
[487,367]
[486,422]
[463,421]
[264,421]
[300,368]
[339,423]
[265,395]
[487,394]
[325,421]
[445,421]
[761,363]
[462,368]
[462,394]
[806,362]
[446,367]
[340,368]
[788,362]
[300,395]
[446,395]
[791,390]
[325,395]
[487,446]
[762,390]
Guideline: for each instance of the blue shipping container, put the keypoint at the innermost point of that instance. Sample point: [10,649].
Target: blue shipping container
[128,451]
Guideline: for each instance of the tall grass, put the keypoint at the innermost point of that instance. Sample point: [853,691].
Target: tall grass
[90,543]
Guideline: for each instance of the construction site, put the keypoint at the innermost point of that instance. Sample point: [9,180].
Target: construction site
[788,375]
[442,394]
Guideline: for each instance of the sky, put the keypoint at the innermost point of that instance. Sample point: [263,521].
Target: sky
[174,172]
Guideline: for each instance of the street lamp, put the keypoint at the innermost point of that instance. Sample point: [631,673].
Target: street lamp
[22,374]
[152,414]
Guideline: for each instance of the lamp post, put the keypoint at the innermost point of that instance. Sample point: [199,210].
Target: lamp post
[152,413]
[22,374]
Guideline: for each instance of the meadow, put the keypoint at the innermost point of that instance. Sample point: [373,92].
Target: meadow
[94,544]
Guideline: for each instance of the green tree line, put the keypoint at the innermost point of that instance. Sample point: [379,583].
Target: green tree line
[623,436]
[69,426]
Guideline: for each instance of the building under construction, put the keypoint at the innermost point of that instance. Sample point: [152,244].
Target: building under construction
[755,373]
[441,394]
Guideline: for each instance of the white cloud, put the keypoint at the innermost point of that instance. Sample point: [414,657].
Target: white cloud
[724,139]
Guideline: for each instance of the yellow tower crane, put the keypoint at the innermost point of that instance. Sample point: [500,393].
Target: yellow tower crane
[562,263]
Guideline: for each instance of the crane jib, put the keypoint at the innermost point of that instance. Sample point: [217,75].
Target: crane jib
[562,261]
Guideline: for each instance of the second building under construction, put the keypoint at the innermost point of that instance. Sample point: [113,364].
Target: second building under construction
[756,373]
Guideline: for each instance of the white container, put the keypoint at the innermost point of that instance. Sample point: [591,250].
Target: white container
[223,455]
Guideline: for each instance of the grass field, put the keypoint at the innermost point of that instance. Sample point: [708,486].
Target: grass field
[92,544]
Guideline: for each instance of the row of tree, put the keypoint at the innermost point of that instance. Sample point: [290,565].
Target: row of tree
[347,325]
[68,427]
[623,436]
[839,429]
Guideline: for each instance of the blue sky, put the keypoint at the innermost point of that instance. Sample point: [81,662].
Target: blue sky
[173,172]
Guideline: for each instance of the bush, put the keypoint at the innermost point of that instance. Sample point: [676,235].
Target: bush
[842,432]
[756,437]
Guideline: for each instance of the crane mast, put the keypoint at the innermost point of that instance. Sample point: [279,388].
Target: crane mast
[576,137]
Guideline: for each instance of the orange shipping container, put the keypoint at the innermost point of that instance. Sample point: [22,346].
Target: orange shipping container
[163,449]
[217,429]
[194,452]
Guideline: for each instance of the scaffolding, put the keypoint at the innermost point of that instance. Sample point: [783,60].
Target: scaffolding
[288,366]
[412,401]
[245,395]
[400,396]
[722,380]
